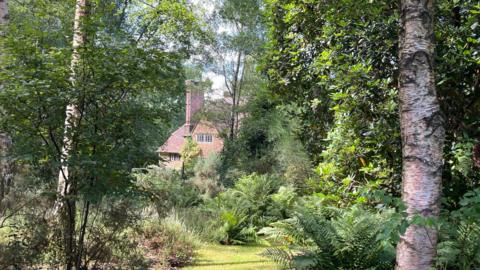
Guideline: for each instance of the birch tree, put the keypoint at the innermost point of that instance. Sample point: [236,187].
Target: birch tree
[242,39]
[72,111]
[422,133]
[6,174]
[65,206]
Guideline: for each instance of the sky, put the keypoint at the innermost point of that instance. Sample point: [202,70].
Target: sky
[218,80]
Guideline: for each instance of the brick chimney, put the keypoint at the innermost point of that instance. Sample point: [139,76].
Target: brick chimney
[194,102]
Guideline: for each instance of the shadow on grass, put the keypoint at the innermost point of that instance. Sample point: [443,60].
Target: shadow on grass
[209,263]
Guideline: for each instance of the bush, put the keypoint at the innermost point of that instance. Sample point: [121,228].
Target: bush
[169,243]
[459,246]
[244,208]
[332,238]
[207,178]
[207,228]
[165,189]
[23,242]
[110,242]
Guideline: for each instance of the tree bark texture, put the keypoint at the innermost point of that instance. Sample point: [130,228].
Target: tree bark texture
[3,12]
[72,111]
[6,170]
[65,204]
[422,132]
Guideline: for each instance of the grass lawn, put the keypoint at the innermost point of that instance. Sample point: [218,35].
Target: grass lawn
[218,257]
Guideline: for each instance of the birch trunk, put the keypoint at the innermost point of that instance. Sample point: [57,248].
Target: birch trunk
[3,12]
[65,206]
[6,174]
[422,133]
[72,111]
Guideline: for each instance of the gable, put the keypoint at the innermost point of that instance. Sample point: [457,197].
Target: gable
[175,142]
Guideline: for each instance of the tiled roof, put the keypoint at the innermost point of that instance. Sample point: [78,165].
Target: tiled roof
[175,143]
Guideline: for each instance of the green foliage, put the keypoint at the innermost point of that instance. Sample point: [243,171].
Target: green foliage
[459,246]
[332,238]
[284,201]
[207,177]
[267,142]
[128,88]
[246,14]
[169,243]
[165,189]
[201,220]
[190,152]
[111,238]
[339,68]
[244,208]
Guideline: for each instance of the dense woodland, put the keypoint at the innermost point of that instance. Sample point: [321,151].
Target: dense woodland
[352,139]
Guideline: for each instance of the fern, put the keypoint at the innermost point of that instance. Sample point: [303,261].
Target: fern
[278,255]
[332,239]
[461,248]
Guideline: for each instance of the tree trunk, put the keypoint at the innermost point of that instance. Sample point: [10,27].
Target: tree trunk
[3,12]
[72,111]
[6,173]
[65,204]
[422,134]
[235,95]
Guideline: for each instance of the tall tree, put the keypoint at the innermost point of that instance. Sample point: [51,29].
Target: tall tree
[65,206]
[422,132]
[5,140]
[242,40]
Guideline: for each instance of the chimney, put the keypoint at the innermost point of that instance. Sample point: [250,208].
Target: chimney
[194,102]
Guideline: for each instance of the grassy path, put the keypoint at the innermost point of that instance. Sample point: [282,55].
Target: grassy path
[217,257]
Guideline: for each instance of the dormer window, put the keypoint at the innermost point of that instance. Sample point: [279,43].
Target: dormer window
[204,138]
[174,157]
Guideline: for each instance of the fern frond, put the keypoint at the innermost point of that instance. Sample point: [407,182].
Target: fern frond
[279,255]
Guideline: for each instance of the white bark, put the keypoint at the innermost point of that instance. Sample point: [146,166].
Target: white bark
[6,172]
[422,134]
[72,111]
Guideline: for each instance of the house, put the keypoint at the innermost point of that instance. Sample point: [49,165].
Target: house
[203,132]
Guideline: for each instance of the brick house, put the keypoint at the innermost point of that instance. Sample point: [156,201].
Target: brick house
[203,132]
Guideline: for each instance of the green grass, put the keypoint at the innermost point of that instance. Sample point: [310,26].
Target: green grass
[218,257]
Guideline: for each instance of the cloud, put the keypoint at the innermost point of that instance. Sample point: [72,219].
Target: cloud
[218,84]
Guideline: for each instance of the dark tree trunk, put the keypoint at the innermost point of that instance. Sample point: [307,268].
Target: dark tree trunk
[422,131]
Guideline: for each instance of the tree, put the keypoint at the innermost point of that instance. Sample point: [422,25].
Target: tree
[66,206]
[241,41]
[5,140]
[422,133]
[127,91]
[190,152]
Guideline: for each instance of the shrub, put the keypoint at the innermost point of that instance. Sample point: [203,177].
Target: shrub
[207,178]
[207,228]
[244,208]
[23,241]
[165,189]
[110,241]
[169,243]
[33,242]
[459,246]
[332,238]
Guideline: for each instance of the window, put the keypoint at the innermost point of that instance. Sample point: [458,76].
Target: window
[203,137]
[174,157]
